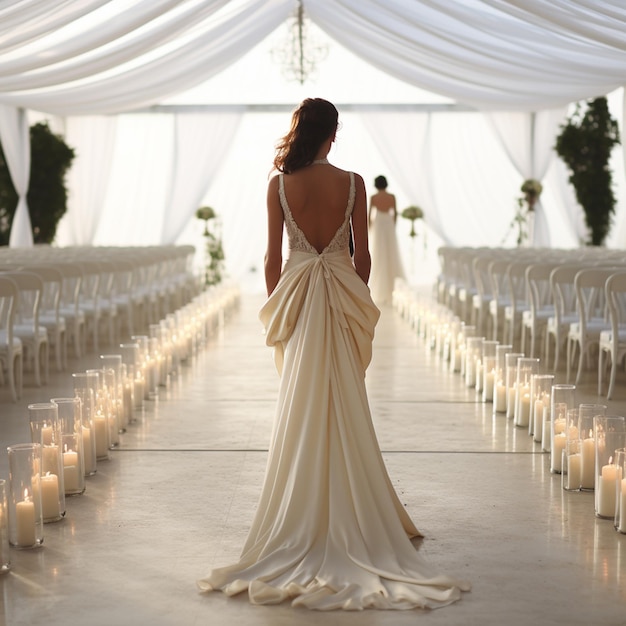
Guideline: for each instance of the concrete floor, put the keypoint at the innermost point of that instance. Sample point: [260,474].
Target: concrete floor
[177,496]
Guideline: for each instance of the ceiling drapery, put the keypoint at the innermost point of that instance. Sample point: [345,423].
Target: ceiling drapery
[78,57]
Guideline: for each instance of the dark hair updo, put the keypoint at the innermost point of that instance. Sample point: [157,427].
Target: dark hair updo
[380,182]
[312,123]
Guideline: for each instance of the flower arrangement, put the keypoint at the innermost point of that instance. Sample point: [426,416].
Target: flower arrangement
[214,251]
[412,213]
[531,189]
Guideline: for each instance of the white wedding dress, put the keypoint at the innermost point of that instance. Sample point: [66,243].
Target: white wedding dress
[329,531]
[386,262]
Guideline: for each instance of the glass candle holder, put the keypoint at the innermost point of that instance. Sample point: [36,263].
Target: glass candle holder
[526,368]
[24,499]
[128,395]
[561,399]
[619,521]
[510,376]
[489,370]
[104,409]
[540,389]
[5,553]
[45,429]
[586,413]
[610,434]
[473,354]
[145,364]
[499,383]
[620,495]
[112,368]
[571,455]
[85,386]
[73,453]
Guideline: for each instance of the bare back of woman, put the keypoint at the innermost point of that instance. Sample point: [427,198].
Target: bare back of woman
[317,196]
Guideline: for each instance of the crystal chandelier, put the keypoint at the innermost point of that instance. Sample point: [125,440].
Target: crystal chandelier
[299,54]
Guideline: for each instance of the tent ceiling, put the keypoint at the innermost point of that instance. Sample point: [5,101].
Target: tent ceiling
[73,57]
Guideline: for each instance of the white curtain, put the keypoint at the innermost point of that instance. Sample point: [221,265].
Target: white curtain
[93,140]
[528,139]
[201,142]
[404,141]
[15,138]
[126,58]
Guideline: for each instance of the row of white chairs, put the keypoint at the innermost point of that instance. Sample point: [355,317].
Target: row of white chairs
[50,297]
[541,297]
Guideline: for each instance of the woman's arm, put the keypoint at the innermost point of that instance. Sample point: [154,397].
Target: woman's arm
[274,252]
[362,261]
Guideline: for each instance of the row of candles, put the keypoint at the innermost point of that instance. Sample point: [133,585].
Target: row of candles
[71,435]
[586,447]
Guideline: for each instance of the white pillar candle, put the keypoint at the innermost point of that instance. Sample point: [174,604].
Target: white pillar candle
[46,435]
[622,507]
[538,420]
[500,405]
[510,403]
[572,478]
[488,386]
[546,437]
[524,407]
[558,445]
[50,496]
[479,375]
[88,450]
[606,488]
[70,471]
[25,522]
[588,463]
[101,425]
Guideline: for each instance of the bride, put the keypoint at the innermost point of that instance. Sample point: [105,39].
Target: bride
[329,531]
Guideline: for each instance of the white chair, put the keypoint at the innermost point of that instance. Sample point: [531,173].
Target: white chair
[584,334]
[541,304]
[613,341]
[32,334]
[108,307]
[518,301]
[49,311]
[564,295]
[69,306]
[499,296]
[89,301]
[11,349]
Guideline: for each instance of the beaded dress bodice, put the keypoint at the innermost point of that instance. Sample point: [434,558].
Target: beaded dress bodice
[298,240]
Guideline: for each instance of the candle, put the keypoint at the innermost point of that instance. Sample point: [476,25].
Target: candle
[510,403]
[622,507]
[88,450]
[546,437]
[488,386]
[50,496]
[479,375]
[538,420]
[70,471]
[25,521]
[558,445]
[588,463]
[523,416]
[572,478]
[46,435]
[606,490]
[100,423]
[500,405]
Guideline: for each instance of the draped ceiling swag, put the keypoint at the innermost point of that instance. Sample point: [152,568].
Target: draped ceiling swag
[97,57]
[76,57]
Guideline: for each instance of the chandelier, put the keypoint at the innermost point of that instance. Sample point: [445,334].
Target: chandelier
[299,54]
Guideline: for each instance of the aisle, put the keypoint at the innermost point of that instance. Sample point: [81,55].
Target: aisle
[177,498]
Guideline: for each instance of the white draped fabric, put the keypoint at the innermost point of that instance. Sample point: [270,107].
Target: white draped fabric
[493,54]
[93,140]
[200,142]
[15,138]
[528,139]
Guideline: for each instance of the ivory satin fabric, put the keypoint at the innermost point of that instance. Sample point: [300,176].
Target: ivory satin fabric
[329,531]
[386,263]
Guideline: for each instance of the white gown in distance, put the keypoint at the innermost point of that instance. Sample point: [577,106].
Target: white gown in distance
[329,531]
[386,262]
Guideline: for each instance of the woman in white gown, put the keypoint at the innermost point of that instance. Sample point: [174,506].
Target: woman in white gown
[386,262]
[329,531]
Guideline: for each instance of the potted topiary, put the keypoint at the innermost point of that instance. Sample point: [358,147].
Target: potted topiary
[585,144]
